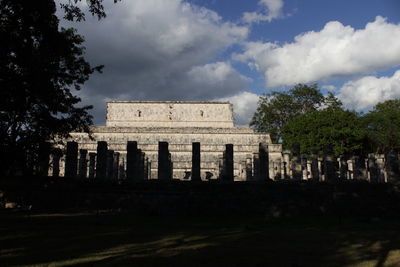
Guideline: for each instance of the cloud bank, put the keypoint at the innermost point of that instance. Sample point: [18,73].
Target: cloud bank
[366,92]
[271,9]
[159,50]
[244,106]
[336,50]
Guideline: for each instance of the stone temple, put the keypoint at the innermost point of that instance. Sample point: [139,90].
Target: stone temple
[180,124]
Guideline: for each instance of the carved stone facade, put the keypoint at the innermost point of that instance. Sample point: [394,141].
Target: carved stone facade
[180,124]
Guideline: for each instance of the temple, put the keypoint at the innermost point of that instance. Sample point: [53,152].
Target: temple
[180,124]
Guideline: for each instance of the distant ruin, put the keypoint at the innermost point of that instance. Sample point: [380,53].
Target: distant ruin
[180,124]
[198,141]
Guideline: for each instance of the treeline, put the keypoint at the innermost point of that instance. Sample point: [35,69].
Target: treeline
[304,115]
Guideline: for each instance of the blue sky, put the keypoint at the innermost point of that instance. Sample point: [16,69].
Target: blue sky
[208,50]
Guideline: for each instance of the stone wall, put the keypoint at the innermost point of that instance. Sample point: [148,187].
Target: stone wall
[169,114]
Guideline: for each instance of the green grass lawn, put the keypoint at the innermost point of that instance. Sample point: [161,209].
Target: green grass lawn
[123,239]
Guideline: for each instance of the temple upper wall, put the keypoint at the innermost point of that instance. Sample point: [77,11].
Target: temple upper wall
[169,114]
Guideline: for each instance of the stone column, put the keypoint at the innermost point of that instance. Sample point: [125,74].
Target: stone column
[329,167]
[392,167]
[249,169]
[164,162]
[82,163]
[101,163]
[122,164]
[357,168]
[286,163]
[343,168]
[309,169]
[71,160]
[304,167]
[196,161]
[315,173]
[92,165]
[264,161]
[321,174]
[146,168]
[56,155]
[372,169]
[256,167]
[278,169]
[221,165]
[141,164]
[350,168]
[228,163]
[116,166]
[131,160]
[110,164]
[380,163]
[296,162]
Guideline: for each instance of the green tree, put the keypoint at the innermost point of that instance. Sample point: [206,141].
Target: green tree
[341,129]
[40,66]
[276,109]
[72,10]
[383,126]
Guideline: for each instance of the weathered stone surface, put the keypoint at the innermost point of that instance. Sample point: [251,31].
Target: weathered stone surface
[169,114]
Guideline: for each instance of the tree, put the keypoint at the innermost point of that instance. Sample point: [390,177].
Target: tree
[73,12]
[276,109]
[40,65]
[383,126]
[341,129]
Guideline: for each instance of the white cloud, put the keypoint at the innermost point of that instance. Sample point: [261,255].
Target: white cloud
[244,106]
[336,50]
[271,9]
[366,92]
[159,50]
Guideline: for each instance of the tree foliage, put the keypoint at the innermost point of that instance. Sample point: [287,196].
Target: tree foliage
[276,109]
[383,126]
[40,65]
[72,11]
[341,129]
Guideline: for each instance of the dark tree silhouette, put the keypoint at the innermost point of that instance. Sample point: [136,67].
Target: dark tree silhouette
[40,67]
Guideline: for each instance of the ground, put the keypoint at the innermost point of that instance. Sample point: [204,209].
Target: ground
[118,239]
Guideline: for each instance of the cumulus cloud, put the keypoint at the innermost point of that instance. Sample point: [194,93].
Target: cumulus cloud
[244,106]
[336,50]
[159,50]
[271,9]
[366,92]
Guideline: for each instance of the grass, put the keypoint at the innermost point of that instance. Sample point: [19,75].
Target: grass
[127,240]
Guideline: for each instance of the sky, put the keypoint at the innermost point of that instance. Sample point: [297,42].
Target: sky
[235,50]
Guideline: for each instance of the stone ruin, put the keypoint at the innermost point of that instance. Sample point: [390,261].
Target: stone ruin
[198,141]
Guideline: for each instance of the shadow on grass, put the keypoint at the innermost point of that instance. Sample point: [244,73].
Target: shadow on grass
[124,239]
